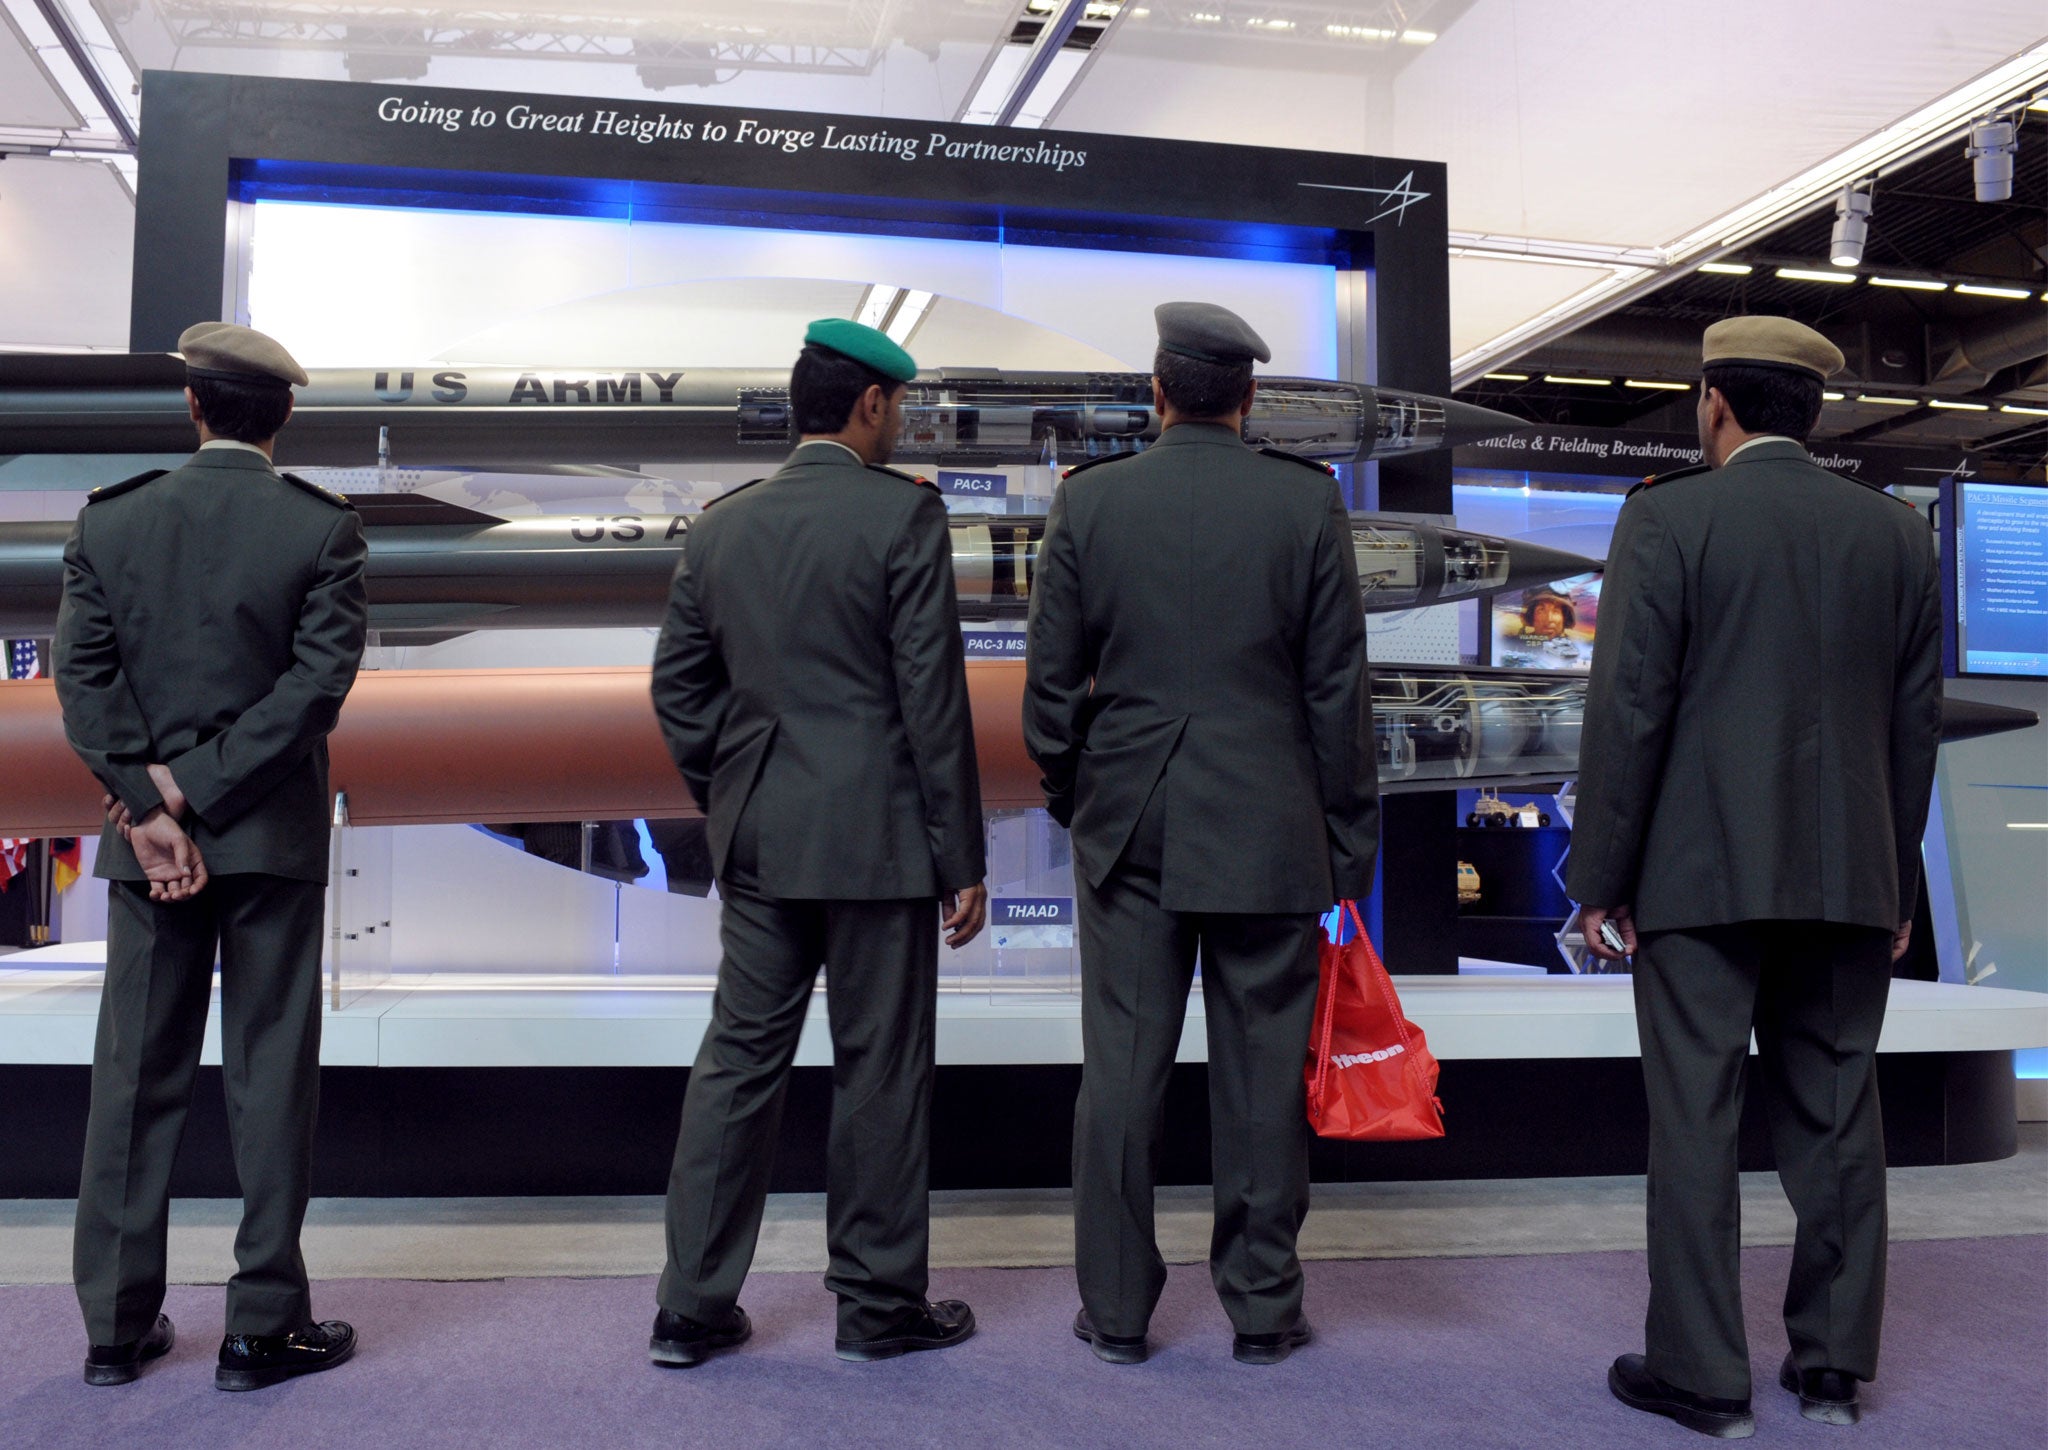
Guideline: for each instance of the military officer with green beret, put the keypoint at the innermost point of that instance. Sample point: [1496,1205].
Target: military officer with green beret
[212,622]
[811,685]
[1756,770]
[1197,700]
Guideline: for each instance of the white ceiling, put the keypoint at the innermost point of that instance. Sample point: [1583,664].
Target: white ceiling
[1609,123]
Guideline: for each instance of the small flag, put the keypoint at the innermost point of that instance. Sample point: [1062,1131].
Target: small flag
[66,861]
[13,858]
[24,660]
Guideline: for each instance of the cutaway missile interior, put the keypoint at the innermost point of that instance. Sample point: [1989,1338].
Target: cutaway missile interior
[1439,727]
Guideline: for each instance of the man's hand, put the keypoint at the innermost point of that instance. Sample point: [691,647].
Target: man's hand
[1901,939]
[1624,921]
[168,858]
[117,814]
[167,786]
[966,911]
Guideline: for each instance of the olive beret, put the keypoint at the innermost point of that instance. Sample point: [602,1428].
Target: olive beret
[1770,342]
[864,344]
[1208,333]
[238,354]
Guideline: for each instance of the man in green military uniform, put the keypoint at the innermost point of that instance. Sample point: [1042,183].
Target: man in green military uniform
[1759,752]
[1197,700]
[212,623]
[811,685]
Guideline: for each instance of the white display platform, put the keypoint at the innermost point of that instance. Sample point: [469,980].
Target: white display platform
[49,1002]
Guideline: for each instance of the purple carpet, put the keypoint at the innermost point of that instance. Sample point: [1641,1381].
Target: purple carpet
[1464,1353]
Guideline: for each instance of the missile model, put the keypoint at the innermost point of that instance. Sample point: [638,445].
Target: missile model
[486,417]
[437,570]
[416,747]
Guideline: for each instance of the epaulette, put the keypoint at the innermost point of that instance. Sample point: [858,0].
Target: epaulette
[325,495]
[906,477]
[733,491]
[126,485]
[1323,468]
[1656,478]
[1096,462]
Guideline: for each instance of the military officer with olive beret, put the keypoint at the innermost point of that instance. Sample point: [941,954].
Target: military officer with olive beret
[811,685]
[1197,701]
[1758,758]
[212,622]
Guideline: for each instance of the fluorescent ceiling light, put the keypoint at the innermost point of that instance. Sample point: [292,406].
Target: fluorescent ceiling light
[1802,274]
[1579,382]
[1274,24]
[1509,377]
[1911,284]
[1417,37]
[909,313]
[1358,32]
[1727,269]
[2026,825]
[1959,407]
[1973,289]
[1888,402]
[2019,408]
[876,306]
[1831,397]
[1667,387]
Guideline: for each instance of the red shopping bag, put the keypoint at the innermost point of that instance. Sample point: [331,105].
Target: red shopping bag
[1370,1075]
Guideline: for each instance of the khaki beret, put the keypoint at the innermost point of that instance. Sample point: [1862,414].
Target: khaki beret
[1770,342]
[237,354]
[1208,333]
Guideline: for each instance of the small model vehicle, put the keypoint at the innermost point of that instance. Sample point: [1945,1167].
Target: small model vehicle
[1468,884]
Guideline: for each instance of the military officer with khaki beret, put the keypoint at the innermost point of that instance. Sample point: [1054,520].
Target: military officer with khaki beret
[212,622]
[1757,763]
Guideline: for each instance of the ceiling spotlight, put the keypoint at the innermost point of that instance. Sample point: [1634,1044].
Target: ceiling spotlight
[1852,226]
[1992,144]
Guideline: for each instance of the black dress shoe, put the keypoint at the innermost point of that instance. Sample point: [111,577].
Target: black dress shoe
[1636,1387]
[1113,1348]
[119,1364]
[1271,1348]
[1826,1395]
[252,1361]
[680,1341]
[936,1326]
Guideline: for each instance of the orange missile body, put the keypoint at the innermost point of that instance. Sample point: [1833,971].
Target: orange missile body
[420,746]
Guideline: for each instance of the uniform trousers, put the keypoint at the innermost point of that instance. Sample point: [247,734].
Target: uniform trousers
[881,965]
[266,931]
[1814,993]
[1258,994]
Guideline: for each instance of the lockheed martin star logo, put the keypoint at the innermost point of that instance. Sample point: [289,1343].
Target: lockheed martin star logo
[1960,472]
[1398,198]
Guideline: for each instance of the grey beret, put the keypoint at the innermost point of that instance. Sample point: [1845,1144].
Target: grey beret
[240,354]
[1208,333]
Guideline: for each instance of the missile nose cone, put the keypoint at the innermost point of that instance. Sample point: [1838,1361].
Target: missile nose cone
[1469,423]
[1530,564]
[1969,719]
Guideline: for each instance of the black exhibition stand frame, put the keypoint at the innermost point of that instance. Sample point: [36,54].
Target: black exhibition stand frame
[214,142]
[443,1131]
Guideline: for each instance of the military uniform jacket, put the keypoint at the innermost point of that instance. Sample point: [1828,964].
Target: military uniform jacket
[213,620]
[1765,702]
[1196,625]
[810,671]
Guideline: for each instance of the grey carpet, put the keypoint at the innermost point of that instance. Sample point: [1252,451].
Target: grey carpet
[1437,1354]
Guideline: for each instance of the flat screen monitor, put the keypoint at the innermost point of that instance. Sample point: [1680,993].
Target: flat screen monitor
[1997,536]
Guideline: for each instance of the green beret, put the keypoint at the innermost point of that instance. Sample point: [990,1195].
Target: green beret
[1208,333]
[864,344]
[239,354]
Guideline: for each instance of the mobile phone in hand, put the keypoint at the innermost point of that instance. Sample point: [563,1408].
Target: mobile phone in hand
[1610,938]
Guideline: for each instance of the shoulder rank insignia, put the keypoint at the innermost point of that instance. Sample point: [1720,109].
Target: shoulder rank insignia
[1656,478]
[126,485]
[732,491]
[906,477]
[325,495]
[1319,467]
[1096,462]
